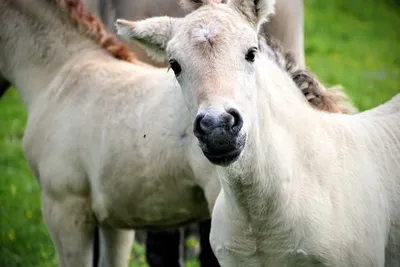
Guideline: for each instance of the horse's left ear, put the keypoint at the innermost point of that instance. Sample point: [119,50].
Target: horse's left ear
[255,11]
[152,34]
[195,4]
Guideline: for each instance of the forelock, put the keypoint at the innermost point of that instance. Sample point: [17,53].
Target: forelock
[210,29]
[195,4]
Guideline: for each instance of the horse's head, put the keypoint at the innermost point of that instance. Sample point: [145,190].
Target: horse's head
[213,52]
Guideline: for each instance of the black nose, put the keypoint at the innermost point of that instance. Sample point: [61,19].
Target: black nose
[230,121]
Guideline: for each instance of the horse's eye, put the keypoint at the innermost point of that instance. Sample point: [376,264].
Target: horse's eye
[174,65]
[251,54]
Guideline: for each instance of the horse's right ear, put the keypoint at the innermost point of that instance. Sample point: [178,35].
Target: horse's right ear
[152,34]
[255,11]
[195,4]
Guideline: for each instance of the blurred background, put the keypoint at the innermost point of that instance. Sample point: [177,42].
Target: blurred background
[354,43]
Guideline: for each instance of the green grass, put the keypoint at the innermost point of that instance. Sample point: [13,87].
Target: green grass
[357,44]
[353,43]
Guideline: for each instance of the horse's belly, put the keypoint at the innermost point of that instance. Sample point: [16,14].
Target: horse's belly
[152,209]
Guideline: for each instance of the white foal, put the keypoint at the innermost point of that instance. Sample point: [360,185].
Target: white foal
[300,187]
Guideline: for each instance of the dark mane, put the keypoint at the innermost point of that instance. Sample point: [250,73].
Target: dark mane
[95,29]
[332,100]
[86,22]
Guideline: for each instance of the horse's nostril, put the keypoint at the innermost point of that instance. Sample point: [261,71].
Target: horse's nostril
[207,123]
[237,124]
[227,121]
[197,128]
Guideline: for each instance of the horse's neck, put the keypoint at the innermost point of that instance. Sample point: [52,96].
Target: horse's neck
[285,130]
[38,42]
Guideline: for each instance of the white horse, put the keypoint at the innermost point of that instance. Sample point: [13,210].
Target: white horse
[300,187]
[109,142]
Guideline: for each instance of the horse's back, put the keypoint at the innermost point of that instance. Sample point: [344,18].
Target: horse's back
[391,107]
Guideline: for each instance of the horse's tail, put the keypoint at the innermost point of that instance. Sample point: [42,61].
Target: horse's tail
[97,30]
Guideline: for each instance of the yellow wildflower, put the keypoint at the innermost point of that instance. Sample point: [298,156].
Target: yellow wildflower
[11,234]
[28,214]
[13,189]
[142,259]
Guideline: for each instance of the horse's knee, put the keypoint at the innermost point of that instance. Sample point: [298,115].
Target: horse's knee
[71,228]
[115,247]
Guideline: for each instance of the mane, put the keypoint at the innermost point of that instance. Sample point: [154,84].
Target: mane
[96,30]
[332,100]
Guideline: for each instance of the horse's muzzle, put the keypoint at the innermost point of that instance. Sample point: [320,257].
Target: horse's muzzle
[220,136]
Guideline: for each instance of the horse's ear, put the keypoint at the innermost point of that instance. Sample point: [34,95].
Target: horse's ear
[255,11]
[195,4]
[152,34]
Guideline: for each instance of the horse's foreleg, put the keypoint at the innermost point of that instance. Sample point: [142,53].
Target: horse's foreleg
[71,228]
[162,248]
[115,247]
[96,247]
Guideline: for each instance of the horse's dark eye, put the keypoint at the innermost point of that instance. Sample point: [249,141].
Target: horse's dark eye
[174,65]
[251,54]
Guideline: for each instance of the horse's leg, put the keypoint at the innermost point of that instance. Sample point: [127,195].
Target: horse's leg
[211,189]
[96,247]
[162,248]
[207,257]
[71,228]
[115,247]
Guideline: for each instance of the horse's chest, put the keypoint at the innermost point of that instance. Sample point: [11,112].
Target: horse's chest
[298,258]
[284,248]
[260,258]
[238,243]
[290,258]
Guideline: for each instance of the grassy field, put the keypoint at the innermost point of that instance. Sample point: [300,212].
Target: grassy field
[354,43]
